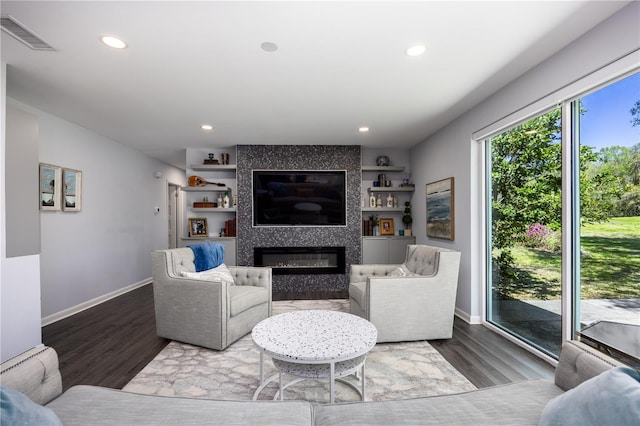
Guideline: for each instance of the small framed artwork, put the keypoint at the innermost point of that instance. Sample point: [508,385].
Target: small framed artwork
[440,209]
[50,184]
[71,190]
[386,226]
[198,227]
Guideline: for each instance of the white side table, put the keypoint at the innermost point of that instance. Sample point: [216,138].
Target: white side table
[314,345]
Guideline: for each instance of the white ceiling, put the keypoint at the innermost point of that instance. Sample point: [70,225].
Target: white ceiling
[339,66]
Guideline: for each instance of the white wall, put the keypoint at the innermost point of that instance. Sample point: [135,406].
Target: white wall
[451,152]
[106,247]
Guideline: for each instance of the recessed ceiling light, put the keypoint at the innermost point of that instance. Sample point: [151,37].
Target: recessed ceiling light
[207,127]
[267,46]
[416,50]
[114,42]
[363,129]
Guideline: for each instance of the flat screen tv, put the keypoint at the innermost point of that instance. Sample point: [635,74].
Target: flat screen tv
[299,198]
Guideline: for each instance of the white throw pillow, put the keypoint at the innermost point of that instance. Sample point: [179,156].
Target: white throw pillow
[402,271]
[219,273]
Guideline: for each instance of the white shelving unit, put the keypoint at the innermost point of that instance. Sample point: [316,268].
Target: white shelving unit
[396,188]
[376,248]
[212,167]
[216,216]
[383,168]
[391,189]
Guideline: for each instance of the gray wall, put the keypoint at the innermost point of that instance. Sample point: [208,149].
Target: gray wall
[19,275]
[96,253]
[22,210]
[289,157]
[451,152]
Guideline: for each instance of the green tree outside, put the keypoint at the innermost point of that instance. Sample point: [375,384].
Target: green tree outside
[526,196]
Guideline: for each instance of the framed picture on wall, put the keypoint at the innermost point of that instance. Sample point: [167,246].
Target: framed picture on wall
[198,227]
[440,209]
[386,226]
[50,184]
[71,190]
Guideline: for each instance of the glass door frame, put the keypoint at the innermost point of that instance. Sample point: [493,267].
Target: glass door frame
[568,271]
[570,115]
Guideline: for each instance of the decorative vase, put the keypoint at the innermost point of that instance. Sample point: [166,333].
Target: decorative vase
[382,161]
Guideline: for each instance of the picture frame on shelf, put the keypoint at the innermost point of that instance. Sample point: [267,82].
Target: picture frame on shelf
[50,186]
[198,227]
[386,226]
[441,209]
[71,190]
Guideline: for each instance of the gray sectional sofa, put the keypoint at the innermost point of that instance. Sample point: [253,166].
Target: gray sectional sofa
[35,374]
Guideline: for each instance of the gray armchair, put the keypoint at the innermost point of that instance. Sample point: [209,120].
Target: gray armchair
[212,314]
[412,301]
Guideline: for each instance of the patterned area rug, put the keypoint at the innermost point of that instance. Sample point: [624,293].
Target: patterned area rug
[392,371]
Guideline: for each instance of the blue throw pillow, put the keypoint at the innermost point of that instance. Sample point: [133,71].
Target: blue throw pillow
[610,398]
[17,409]
[207,255]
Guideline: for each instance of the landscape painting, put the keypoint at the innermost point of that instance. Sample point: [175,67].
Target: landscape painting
[49,192]
[72,191]
[440,209]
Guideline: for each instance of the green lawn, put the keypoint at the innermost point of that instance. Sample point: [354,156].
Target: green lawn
[610,264]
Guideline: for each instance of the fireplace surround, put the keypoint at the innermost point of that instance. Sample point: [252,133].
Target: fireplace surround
[301,157]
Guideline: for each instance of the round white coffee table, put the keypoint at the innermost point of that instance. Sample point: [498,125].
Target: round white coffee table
[314,344]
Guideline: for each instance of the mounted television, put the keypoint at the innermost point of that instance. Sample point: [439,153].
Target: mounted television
[299,198]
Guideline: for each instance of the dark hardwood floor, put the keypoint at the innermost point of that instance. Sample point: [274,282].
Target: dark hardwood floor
[109,344]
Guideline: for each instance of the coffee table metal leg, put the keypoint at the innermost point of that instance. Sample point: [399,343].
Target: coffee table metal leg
[281,388]
[362,378]
[332,381]
[261,367]
[264,385]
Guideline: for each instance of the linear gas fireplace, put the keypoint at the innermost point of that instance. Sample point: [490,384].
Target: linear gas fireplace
[301,260]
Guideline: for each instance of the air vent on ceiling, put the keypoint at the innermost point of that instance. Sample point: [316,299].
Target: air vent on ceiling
[22,34]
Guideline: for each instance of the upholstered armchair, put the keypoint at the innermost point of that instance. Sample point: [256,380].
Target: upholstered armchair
[412,301]
[208,311]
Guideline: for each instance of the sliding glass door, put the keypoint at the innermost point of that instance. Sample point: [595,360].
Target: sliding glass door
[525,225]
[608,293]
[600,259]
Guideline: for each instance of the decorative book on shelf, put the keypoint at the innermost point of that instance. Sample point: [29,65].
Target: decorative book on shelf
[203,204]
[367,228]
[230,228]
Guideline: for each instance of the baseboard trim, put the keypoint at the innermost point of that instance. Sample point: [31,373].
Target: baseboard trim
[50,319]
[470,319]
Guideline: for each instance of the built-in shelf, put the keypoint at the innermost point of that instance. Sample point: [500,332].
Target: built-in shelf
[208,188]
[212,167]
[208,238]
[383,168]
[388,237]
[392,189]
[382,209]
[214,209]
